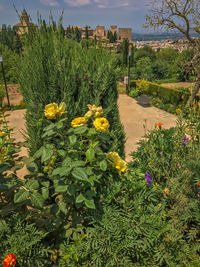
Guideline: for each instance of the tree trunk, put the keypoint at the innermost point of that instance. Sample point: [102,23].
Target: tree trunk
[195,90]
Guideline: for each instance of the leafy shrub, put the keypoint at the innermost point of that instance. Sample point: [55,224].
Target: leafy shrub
[167,95]
[54,68]
[10,59]
[70,173]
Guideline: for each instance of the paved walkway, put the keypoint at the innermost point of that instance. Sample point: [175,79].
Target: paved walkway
[132,115]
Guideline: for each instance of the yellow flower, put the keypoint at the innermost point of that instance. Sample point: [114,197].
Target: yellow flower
[98,112]
[2,134]
[101,124]
[89,114]
[51,110]
[118,163]
[80,121]
[95,110]
[178,110]
[61,109]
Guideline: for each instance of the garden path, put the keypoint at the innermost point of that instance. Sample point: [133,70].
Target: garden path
[132,115]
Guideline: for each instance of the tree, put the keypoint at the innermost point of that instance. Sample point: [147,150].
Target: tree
[114,37]
[125,48]
[182,16]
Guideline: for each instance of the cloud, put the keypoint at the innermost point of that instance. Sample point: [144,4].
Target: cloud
[49,2]
[77,3]
[134,4]
[1,7]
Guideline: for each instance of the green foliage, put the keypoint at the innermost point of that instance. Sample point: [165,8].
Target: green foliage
[166,94]
[24,240]
[125,49]
[145,51]
[73,179]
[56,69]
[7,35]
[2,94]
[10,59]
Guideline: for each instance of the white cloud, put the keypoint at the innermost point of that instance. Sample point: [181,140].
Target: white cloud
[77,3]
[135,4]
[49,2]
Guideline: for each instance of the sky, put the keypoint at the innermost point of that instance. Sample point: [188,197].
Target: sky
[123,13]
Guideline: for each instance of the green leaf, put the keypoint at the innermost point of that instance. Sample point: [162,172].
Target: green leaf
[46,154]
[48,133]
[71,189]
[32,185]
[32,167]
[72,139]
[77,163]
[103,165]
[92,131]
[21,196]
[59,125]
[67,162]
[80,174]
[62,153]
[62,171]
[45,193]
[80,198]
[90,154]
[63,207]
[68,233]
[49,127]
[61,188]
[38,153]
[45,184]
[80,130]
[37,200]
[90,203]
[138,172]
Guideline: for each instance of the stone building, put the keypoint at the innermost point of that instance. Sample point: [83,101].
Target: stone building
[23,26]
[124,33]
[99,31]
[113,29]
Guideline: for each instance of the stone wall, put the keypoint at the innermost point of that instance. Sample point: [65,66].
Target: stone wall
[125,33]
[100,31]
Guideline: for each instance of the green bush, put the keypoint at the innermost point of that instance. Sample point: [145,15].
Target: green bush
[167,95]
[56,69]
[10,60]
[2,94]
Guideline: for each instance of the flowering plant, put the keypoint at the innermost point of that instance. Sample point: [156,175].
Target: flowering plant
[76,173]
[9,260]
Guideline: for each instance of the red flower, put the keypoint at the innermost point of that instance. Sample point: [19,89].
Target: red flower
[159,124]
[9,260]
[198,183]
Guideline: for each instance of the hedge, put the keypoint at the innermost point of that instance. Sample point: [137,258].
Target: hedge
[167,95]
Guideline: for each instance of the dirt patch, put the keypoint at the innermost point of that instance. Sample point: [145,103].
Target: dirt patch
[14,94]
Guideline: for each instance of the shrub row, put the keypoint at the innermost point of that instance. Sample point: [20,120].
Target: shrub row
[167,95]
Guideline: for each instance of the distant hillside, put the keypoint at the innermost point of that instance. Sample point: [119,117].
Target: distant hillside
[156,36]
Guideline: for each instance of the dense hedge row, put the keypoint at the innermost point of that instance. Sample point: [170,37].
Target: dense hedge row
[167,95]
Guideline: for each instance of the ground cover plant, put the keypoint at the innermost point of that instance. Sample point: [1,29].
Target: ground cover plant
[80,209]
